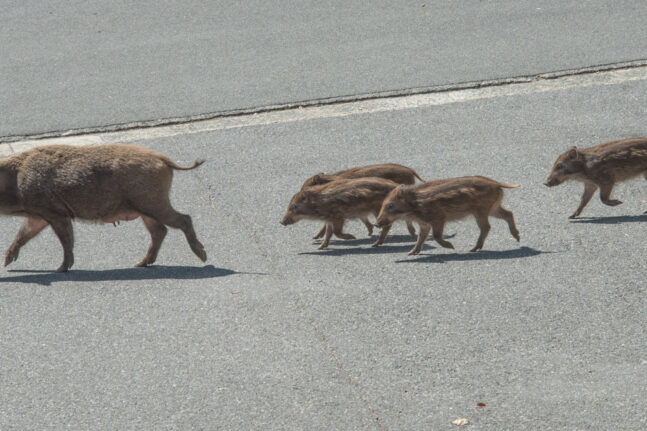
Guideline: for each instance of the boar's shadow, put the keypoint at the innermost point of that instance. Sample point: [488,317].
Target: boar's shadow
[612,219]
[480,255]
[153,272]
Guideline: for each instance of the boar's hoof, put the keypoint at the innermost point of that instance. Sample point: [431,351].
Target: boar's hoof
[11,256]
[475,249]
[201,254]
[613,202]
[573,216]
[414,252]
[63,268]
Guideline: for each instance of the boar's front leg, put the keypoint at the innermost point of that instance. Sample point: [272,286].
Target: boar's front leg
[589,190]
[412,230]
[383,233]
[605,194]
[158,232]
[62,227]
[337,230]
[321,232]
[30,228]
[368,224]
[326,239]
[438,228]
[422,237]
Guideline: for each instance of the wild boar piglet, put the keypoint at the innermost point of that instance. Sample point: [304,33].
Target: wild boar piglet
[601,166]
[52,185]
[337,201]
[389,171]
[436,203]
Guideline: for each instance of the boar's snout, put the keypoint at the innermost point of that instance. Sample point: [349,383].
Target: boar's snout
[551,182]
[287,220]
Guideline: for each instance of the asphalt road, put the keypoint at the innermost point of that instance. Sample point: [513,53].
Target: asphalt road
[69,65]
[273,334]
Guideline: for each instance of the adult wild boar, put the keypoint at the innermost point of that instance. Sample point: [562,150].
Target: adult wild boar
[52,185]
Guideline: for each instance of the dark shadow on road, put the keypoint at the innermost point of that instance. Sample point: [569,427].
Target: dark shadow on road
[154,272]
[480,255]
[612,220]
[385,248]
[391,239]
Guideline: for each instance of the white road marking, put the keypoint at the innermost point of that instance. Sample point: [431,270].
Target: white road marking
[343,109]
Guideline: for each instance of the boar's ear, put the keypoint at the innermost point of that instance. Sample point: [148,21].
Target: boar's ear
[572,153]
[399,191]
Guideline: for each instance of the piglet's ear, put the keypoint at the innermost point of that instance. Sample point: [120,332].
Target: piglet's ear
[399,190]
[572,153]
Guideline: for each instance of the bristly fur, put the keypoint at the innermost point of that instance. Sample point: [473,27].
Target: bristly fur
[51,185]
[601,166]
[435,203]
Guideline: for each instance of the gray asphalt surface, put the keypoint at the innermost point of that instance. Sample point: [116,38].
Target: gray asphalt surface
[273,334]
[68,65]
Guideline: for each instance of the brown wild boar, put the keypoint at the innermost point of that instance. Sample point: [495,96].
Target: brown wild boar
[601,167]
[52,185]
[337,201]
[436,203]
[389,171]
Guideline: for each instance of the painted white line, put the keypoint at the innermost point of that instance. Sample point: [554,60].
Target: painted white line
[340,109]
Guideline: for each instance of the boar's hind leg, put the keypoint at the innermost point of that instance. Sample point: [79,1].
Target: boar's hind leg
[30,228]
[589,190]
[63,229]
[506,215]
[174,219]
[484,224]
[158,232]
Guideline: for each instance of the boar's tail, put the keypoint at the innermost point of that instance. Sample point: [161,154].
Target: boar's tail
[415,174]
[510,186]
[173,165]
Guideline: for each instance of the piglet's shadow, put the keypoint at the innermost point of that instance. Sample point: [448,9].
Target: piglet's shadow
[390,239]
[480,255]
[611,220]
[154,272]
[384,248]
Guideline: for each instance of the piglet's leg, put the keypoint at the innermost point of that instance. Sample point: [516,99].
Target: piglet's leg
[605,195]
[368,225]
[589,190]
[337,230]
[30,228]
[158,232]
[438,228]
[321,232]
[326,239]
[506,215]
[383,233]
[63,229]
[422,237]
[484,224]
[412,230]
